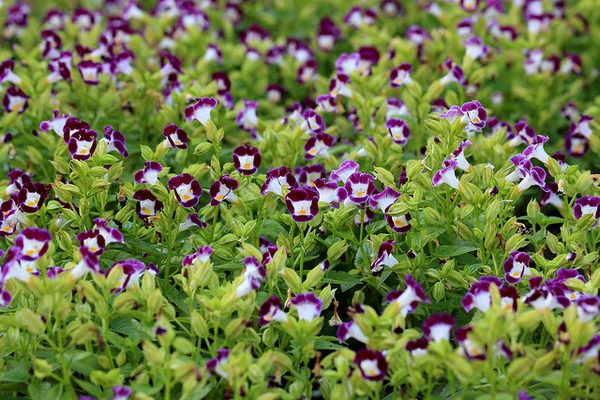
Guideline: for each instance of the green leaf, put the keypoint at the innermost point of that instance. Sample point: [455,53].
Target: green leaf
[342,278]
[91,389]
[453,250]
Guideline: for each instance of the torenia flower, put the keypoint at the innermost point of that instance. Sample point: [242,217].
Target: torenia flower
[149,174]
[371,364]
[148,205]
[32,243]
[187,189]
[360,187]
[330,192]
[278,180]
[176,137]
[302,203]
[56,124]
[82,144]
[312,122]
[475,48]
[547,295]
[223,190]
[588,307]
[338,86]
[406,300]
[446,175]
[132,270]
[17,178]
[115,140]
[202,255]
[384,200]
[89,71]
[468,347]
[438,327]
[15,100]
[516,267]
[399,130]
[190,221]
[247,118]
[384,257]
[307,305]
[200,110]
[469,5]
[399,223]
[401,75]
[349,330]
[89,263]
[346,168]
[271,310]
[318,145]
[246,159]
[587,205]
[6,73]
[31,197]
[216,364]
[121,393]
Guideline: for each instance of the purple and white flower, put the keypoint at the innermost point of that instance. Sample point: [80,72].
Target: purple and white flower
[384,257]
[302,203]
[398,130]
[246,159]
[149,174]
[176,137]
[148,205]
[587,205]
[200,110]
[401,75]
[187,189]
[271,310]
[223,190]
[516,267]
[372,364]
[307,305]
[438,327]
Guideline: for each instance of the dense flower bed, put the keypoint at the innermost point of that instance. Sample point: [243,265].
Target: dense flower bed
[299,199]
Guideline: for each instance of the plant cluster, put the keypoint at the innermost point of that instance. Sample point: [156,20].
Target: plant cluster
[297,199]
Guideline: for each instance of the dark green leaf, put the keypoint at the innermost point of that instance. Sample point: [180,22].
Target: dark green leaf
[453,251]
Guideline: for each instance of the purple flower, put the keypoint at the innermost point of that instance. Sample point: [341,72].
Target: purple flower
[547,295]
[88,263]
[73,126]
[271,310]
[132,270]
[92,240]
[190,221]
[89,71]
[318,145]
[371,364]
[213,53]
[308,174]
[587,205]
[384,200]
[302,203]
[330,192]
[474,115]
[407,299]
[82,144]
[468,347]
[360,187]
[516,267]
[313,122]
[200,110]
[384,257]
[277,180]
[307,72]
[475,48]
[399,130]
[351,330]
[399,223]
[202,255]
[31,197]
[446,175]
[346,168]
[246,159]
[15,100]
[6,73]
[32,243]
[223,190]
[401,75]
[469,5]
[338,86]
[176,137]
[121,393]
[187,189]
[327,34]
[149,174]
[438,327]
[275,93]
[576,145]
[148,205]
[110,235]
[523,133]
[454,74]
[115,140]
[418,347]
[18,179]
[307,305]
[216,364]
[56,124]
[588,307]
[223,82]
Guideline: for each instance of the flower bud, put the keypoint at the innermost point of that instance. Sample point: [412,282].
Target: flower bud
[29,320]
[41,368]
